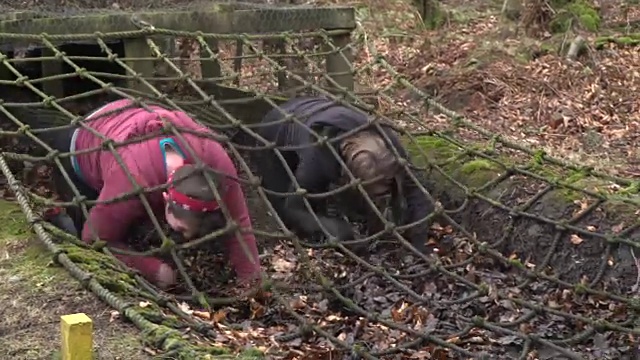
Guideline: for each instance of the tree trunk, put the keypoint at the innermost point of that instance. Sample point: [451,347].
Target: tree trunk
[512,9]
[430,12]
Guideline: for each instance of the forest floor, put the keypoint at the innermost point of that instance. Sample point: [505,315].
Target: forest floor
[520,86]
[517,83]
[34,293]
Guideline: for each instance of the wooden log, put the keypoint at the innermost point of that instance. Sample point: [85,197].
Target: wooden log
[216,20]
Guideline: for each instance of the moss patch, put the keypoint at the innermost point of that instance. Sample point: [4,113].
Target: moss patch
[35,292]
[478,172]
[455,161]
[24,257]
[570,13]
[628,40]
[436,149]
[475,172]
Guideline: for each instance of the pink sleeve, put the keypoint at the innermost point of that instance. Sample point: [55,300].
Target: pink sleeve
[111,222]
[244,259]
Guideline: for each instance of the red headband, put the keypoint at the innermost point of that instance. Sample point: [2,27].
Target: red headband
[186,202]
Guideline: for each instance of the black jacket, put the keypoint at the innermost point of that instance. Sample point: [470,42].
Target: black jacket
[315,167]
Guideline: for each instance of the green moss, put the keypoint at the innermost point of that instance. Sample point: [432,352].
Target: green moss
[437,150]
[618,207]
[14,224]
[546,48]
[478,172]
[437,19]
[574,177]
[575,12]
[102,267]
[172,341]
[34,264]
[153,314]
[455,161]
[628,40]
[252,354]
[523,57]
[474,166]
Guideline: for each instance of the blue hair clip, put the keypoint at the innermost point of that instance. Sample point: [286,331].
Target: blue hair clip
[170,142]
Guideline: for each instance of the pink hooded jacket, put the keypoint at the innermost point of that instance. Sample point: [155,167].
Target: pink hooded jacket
[145,161]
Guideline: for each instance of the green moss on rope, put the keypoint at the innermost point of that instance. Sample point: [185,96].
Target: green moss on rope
[152,313]
[173,342]
[102,267]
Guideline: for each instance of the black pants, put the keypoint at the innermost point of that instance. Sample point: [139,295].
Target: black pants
[61,140]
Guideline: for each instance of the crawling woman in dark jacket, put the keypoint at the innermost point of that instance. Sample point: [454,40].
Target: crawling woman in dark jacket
[315,167]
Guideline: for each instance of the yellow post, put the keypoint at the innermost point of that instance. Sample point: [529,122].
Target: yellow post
[77,337]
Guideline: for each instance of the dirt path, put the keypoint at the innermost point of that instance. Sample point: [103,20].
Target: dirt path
[35,293]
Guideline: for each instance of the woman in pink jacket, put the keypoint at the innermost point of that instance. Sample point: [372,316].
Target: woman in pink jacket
[189,205]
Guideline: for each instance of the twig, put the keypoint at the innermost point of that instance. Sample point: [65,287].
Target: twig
[634,288]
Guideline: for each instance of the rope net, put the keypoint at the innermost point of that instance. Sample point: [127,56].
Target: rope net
[529,256]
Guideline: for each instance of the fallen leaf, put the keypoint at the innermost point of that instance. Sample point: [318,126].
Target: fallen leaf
[453,340]
[113,316]
[397,315]
[576,240]
[282,265]
[257,310]
[440,354]
[298,303]
[476,340]
[617,228]
[185,307]
[202,314]
[219,316]
[144,304]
